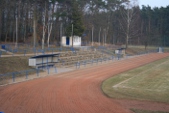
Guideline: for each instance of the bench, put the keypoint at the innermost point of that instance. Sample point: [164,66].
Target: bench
[41,61]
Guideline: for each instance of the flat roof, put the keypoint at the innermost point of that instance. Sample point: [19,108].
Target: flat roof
[46,55]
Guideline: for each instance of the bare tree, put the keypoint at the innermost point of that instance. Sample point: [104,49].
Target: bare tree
[129,18]
[49,31]
[34,26]
[44,27]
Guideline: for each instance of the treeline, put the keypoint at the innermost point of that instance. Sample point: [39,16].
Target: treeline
[108,21]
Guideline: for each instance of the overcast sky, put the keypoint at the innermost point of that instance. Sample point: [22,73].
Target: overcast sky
[154,3]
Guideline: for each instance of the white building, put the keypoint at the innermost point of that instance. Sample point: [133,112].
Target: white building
[67,41]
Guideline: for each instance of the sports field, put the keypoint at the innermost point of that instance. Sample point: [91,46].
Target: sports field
[77,91]
[149,82]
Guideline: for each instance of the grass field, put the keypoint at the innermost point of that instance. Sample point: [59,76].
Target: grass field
[149,82]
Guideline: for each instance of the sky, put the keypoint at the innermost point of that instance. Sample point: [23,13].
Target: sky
[154,3]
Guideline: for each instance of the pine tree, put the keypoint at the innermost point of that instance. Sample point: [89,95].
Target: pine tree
[76,20]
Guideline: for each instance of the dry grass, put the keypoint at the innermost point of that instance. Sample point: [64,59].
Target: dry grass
[149,82]
[146,111]
[13,64]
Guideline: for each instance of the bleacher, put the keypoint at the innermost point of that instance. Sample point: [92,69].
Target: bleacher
[72,58]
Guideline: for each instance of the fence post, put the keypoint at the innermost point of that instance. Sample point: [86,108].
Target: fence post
[63,62]
[13,52]
[48,69]
[118,56]
[34,51]
[26,74]
[24,52]
[85,63]
[43,51]
[13,77]
[105,59]
[112,57]
[55,69]
[37,72]
[98,61]
[77,65]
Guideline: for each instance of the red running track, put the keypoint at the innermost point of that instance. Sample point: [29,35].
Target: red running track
[72,92]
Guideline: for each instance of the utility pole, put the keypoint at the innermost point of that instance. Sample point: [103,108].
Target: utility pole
[72,35]
[61,35]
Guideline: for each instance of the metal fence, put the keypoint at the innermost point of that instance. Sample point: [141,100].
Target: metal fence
[19,76]
[14,77]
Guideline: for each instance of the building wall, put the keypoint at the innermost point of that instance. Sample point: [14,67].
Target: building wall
[76,41]
[63,41]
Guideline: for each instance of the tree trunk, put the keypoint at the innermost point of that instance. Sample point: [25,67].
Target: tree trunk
[49,32]
[24,35]
[0,25]
[34,32]
[16,43]
[44,29]
[34,26]
[6,36]
[127,40]
[99,35]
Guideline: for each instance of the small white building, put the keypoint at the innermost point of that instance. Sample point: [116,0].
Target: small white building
[67,41]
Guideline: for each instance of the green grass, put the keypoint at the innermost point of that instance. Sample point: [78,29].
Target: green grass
[149,82]
[146,111]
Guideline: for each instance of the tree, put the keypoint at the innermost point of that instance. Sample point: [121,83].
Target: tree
[129,17]
[76,26]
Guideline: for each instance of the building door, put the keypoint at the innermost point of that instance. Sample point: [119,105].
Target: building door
[67,41]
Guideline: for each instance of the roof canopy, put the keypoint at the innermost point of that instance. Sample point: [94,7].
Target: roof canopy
[47,55]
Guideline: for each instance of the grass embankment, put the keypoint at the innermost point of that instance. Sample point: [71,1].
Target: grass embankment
[145,111]
[13,64]
[137,49]
[149,82]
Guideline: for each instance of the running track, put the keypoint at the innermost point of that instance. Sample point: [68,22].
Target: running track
[72,92]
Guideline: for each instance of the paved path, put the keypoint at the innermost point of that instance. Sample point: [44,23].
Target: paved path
[72,92]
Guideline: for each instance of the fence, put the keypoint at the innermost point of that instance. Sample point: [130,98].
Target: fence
[14,77]
[35,73]
[9,49]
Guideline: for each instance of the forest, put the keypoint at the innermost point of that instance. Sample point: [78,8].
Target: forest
[44,22]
